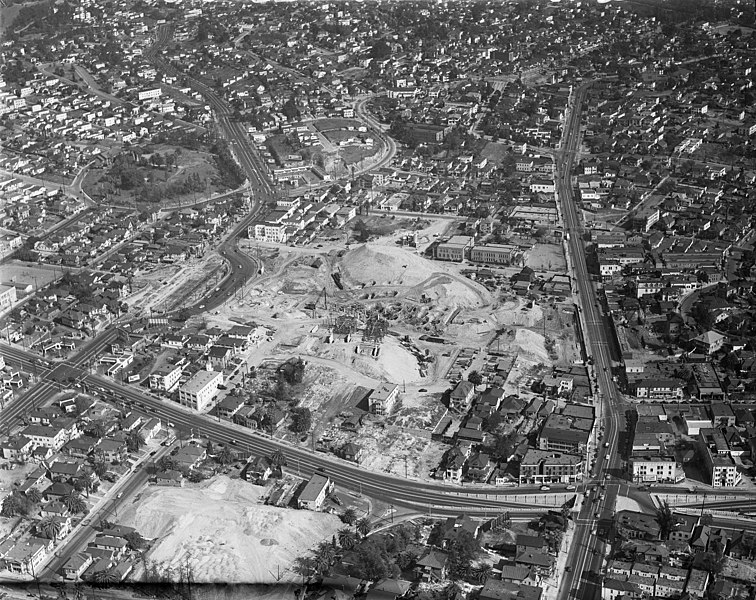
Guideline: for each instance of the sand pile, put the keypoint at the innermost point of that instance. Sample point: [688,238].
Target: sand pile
[531,344]
[386,266]
[224,533]
[394,364]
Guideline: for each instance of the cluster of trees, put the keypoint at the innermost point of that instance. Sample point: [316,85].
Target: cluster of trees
[189,139]
[157,192]
[126,173]
[369,557]
[462,549]
[301,419]
[19,504]
[46,18]
[211,29]
[292,371]
[231,174]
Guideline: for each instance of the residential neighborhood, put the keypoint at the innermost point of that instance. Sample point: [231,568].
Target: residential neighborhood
[394,300]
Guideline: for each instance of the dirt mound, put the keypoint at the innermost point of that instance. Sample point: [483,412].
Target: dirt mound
[223,531]
[386,266]
[532,343]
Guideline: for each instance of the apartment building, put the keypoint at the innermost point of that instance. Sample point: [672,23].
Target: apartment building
[720,466]
[382,398]
[658,469]
[545,466]
[165,378]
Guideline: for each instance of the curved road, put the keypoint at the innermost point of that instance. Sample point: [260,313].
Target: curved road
[399,491]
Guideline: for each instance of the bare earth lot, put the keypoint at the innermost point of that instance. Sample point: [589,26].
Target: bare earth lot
[225,533]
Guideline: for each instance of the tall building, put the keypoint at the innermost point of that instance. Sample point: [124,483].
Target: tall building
[198,392]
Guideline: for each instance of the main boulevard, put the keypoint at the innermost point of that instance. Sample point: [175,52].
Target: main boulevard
[586,552]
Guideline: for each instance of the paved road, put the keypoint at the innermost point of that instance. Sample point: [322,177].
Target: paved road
[412,493]
[585,554]
[241,267]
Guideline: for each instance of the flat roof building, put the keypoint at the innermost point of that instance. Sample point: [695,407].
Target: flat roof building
[198,392]
[455,249]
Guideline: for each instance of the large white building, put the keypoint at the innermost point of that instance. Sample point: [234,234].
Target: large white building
[268,232]
[383,398]
[149,94]
[198,392]
[661,469]
[165,378]
[7,296]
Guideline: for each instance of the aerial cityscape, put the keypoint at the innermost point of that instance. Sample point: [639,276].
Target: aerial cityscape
[381,300]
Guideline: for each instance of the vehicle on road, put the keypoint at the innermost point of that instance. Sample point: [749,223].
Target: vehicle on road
[545,488]
[569,488]
[606,444]
[202,306]
[234,442]
[119,495]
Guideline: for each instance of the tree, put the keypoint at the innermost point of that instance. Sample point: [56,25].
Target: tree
[74,502]
[325,554]
[16,504]
[135,540]
[290,110]
[361,231]
[363,526]
[301,419]
[104,578]
[506,445]
[702,315]
[50,528]
[482,572]
[278,459]
[462,550]
[475,378]
[224,456]
[167,463]
[134,441]
[380,50]
[349,516]
[100,468]
[347,538]
[665,519]
[33,495]
[371,561]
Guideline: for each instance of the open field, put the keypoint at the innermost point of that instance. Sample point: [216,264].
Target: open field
[336,123]
[546,257]
[18,273]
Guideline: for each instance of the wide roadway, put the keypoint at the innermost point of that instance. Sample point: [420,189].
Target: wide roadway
[413,493]
[585,554]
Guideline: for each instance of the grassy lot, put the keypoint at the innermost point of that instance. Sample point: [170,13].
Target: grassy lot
[354,154]
[335,123]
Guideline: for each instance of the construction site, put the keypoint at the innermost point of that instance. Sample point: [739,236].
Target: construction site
[379,313]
